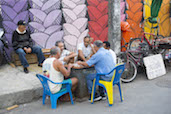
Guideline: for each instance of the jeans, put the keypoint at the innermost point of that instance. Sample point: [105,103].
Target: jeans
[35,49]
[90,79]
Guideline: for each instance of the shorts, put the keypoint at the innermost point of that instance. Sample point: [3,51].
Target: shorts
[63,88]
[68,80]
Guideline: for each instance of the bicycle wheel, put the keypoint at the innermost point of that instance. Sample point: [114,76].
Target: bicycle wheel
[134,45]
[156,46]
[130,72]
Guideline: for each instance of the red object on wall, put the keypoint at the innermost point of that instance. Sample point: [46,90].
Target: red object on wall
[98,19]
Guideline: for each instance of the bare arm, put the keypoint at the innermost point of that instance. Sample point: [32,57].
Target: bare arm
[58,65]
[83,63]
[81,55]
[93,50]
[72,55]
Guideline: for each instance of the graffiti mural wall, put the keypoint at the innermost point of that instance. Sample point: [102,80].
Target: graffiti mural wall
[46,23]
[75,26]
[72,20]
[53,20]
[134,14]
[98,19]
[164,26]
[137,12]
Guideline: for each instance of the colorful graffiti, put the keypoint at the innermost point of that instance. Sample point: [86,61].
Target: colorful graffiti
[137,13]
[133,15]
[122,6]
[134,18]
[98,19]
[46,22]
[147,13]
[12,11]
[72,20]
[74,13]
[163,19]
[53,20]
[164,26]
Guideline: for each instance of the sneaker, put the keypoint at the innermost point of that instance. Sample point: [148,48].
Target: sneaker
[26,70]
[103,97]
[96,98]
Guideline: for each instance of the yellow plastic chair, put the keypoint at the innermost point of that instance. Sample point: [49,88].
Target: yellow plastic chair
[108,86]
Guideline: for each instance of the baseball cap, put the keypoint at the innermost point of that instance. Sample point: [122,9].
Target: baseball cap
[21,22]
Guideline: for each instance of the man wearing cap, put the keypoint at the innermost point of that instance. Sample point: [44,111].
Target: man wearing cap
[23,44]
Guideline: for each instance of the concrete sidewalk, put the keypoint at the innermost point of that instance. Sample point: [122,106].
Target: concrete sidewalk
[17,87]
[141,96]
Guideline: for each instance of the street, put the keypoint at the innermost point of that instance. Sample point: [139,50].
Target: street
[142,96]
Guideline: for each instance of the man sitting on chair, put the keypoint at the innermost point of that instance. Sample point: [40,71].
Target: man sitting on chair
[65,56]
[85,50]
[106,45]
[103,63]
[23,44]
[55,71]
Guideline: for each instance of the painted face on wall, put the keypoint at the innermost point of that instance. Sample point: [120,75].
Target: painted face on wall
[86,41]
[61,46]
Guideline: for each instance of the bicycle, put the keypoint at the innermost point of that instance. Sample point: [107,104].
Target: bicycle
[136,49]
[132,63]
[151,45]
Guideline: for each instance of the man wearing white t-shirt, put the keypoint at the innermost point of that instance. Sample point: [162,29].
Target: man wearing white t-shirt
[106,45]
[66,56]
[85,49]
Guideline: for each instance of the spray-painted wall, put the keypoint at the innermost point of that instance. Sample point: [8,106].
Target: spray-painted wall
[135,12]
[71,20]
[53,20]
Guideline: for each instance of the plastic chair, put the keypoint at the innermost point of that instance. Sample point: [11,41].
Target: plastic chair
[108,86]
[54,97]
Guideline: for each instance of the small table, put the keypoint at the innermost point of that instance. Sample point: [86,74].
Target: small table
[82,91]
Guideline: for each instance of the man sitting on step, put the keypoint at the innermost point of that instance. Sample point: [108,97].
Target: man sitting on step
[23,44]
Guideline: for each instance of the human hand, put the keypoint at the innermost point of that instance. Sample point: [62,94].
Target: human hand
[70,65]
[79,62]
[27,50]
[91,40]
[66,59]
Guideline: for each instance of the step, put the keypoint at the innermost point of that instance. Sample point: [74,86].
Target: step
[16,87]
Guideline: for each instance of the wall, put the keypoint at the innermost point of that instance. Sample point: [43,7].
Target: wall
[137,11]
[53,20]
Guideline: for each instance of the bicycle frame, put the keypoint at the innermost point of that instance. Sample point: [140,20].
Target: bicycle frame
[129,55]
[152,46]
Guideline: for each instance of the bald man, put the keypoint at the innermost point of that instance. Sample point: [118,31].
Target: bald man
[55,71]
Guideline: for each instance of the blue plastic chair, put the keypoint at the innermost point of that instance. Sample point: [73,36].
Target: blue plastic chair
[54,97]
[108,85]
